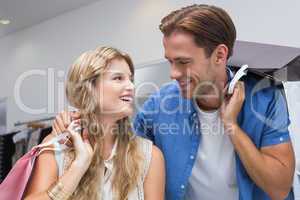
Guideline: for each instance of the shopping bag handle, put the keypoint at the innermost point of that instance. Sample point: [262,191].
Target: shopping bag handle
[45,146]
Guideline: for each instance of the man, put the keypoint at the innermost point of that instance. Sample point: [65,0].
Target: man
[215,146]
[236,148]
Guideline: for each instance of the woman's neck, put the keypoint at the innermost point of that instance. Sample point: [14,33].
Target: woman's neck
[110,129]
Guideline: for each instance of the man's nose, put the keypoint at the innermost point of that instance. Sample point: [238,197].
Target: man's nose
[175,72]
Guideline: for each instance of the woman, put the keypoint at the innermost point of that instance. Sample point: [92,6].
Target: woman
[107,161]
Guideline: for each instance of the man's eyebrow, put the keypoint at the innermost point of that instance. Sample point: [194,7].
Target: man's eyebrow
[180,58]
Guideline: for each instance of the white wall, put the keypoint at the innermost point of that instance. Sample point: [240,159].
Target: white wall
[131,25]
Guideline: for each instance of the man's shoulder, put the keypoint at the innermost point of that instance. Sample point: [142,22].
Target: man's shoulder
[262,85]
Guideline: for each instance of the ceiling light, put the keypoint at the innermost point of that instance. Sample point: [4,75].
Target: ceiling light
[4,21]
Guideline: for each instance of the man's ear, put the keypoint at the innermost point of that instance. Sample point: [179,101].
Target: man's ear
[220,54]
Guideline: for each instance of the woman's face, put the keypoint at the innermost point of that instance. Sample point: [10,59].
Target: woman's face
[116,90]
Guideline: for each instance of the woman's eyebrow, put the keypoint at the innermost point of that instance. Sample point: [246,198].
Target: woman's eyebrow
[119,73]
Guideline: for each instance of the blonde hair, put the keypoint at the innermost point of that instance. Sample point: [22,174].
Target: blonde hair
[81,93]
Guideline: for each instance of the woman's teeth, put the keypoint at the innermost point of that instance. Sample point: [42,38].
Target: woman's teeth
[127,99]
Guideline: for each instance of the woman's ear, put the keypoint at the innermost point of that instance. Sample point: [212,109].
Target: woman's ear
[220,54]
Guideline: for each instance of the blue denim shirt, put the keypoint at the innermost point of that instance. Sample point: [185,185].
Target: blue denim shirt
[171,122]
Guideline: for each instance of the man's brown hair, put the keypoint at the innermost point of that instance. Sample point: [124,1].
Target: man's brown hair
[210,26]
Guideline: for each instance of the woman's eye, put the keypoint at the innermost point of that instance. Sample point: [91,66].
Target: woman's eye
[118,78]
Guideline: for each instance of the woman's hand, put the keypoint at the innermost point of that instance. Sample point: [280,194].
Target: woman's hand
[83,148]
[232,105]
[61,123]
[63,120]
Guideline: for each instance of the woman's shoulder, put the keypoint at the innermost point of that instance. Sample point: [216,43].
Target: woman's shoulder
[148,147]
[152,153]
[141,141]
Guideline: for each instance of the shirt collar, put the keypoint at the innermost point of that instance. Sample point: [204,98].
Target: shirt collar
[230,74]
[109,162]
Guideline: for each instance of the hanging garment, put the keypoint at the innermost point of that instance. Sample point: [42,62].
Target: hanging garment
[7,149]
[34,138]
[20,140]
[44,133]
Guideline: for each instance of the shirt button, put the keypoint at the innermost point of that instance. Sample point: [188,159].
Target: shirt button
[182,186]
[281,139]
[192,157]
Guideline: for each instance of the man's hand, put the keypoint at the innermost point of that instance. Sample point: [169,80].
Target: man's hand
[231,106]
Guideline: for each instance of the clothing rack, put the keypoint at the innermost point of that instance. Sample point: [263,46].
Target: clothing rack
[34,121]
[31,123]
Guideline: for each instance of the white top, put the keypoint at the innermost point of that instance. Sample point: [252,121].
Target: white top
[213,174]
[138,193]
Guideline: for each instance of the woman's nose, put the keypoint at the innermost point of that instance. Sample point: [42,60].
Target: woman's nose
[130,85]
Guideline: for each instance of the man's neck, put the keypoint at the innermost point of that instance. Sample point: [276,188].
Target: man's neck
[214,101]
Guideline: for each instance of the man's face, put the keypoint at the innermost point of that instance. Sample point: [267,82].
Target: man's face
[190,66]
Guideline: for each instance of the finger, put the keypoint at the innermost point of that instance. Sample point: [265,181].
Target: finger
[243,90]
[238,94]
[68,141]
[57,128]
[74,115]
[66,117]
[85,135]
[75,137]
[77,122]
[54,129]
[236,89]
[232,100]
[60,123]
[63,118]
[240,90]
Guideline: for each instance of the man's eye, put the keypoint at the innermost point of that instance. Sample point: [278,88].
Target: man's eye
[183,62]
